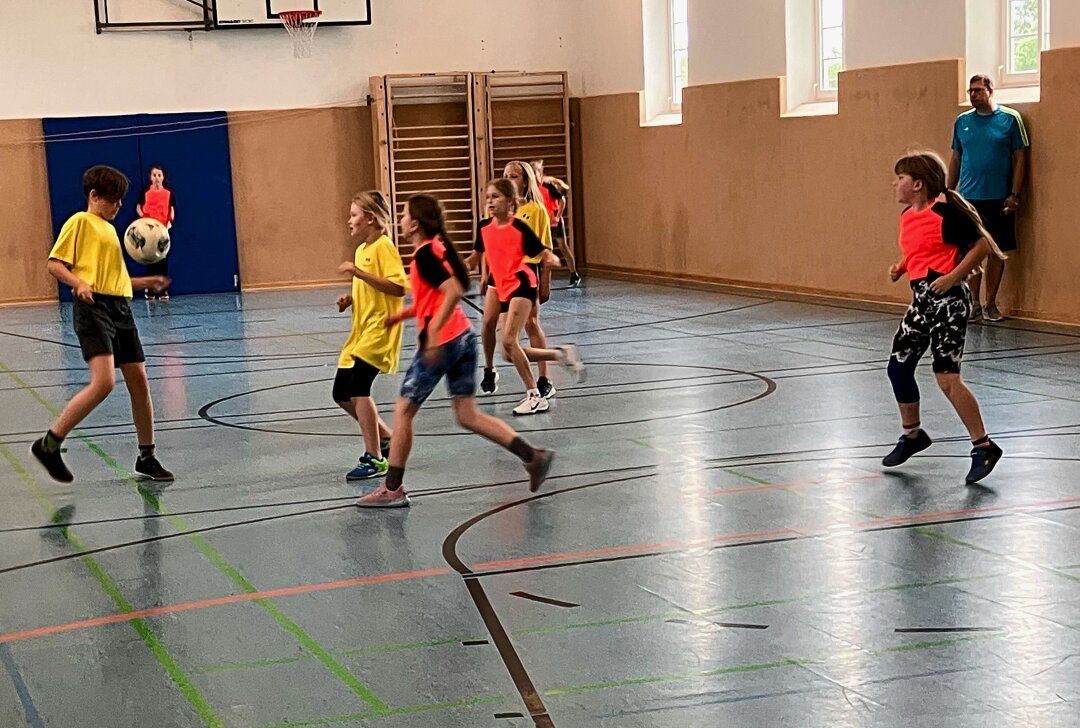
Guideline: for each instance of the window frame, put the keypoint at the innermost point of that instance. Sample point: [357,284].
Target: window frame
[821,93]
[674,80]
[1014,79]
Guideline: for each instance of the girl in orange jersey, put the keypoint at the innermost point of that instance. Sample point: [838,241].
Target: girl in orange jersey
[447,348]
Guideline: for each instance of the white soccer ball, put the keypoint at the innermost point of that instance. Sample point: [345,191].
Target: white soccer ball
[147,241]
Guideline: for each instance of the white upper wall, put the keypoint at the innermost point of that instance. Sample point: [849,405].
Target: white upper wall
[56,65]
[886,32]
[735,40]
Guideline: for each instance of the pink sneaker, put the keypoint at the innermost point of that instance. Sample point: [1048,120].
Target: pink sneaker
[383,498]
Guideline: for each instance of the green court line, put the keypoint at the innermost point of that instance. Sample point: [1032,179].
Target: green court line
[302,637]
[156,647]
[648,680]
[930,533]
[557,628]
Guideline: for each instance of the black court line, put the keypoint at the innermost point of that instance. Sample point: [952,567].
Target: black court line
[945,630]
[770,388]
[544,600]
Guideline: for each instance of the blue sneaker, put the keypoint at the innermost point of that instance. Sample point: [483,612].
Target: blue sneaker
[368,467]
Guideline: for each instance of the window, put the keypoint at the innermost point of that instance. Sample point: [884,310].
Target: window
[1026,34]
[679,52]
[830,46]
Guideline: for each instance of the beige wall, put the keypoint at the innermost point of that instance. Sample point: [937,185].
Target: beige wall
[25,220]
[294,173]
[737,194]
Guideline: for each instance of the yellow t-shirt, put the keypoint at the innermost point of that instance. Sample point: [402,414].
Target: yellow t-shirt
[370,340]
[536,217]
[88,244]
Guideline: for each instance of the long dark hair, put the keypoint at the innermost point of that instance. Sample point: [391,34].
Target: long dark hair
[164,176]
[429,214]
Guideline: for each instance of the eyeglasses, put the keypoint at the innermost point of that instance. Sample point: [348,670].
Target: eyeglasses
[973,91]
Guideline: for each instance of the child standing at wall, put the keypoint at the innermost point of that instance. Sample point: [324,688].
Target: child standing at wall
[157,201]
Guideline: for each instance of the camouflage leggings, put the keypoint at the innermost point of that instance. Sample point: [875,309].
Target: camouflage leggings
[933,321]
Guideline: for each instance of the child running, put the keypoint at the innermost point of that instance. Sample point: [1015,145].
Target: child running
[506,242]
[530,211]
[378,286]
[942,240]
[87,258]
[447,348]
[157,201]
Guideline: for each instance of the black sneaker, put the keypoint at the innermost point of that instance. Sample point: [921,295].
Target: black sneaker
[547,389]
[905,448]
[538,468]
[983,460]
[575,279]
[489,383]
[53,462]
[150,467]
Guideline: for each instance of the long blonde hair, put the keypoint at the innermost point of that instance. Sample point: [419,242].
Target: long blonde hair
[924,165]
[532,191]
[374,203]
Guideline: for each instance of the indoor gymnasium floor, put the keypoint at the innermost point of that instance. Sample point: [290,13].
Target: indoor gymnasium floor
[718,544]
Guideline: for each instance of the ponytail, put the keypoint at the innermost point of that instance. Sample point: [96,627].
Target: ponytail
[958,200]
[429,214]
[460,271]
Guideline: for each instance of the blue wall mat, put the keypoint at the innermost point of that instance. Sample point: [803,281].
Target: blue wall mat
[194,149]
[75,145]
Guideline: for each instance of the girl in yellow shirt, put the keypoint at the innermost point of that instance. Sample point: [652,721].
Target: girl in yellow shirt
[378,286]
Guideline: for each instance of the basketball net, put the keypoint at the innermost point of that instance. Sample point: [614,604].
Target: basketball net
[301,25]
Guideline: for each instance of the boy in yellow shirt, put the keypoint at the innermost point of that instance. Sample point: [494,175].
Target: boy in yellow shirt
[88,258]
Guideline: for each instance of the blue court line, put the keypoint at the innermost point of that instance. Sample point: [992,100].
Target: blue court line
[32,717]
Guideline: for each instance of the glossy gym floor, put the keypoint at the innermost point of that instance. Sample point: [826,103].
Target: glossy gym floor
[718,544]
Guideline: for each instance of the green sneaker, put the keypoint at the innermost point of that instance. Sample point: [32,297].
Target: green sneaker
[368,467]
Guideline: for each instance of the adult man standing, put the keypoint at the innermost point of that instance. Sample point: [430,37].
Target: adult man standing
[989,158]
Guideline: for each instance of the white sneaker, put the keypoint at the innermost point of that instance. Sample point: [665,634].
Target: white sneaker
[532,404]
[569,358]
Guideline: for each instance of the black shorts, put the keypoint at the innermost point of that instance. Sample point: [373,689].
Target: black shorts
[558,232]
[106,326]
[354,382]
[1001,226]
[524,290]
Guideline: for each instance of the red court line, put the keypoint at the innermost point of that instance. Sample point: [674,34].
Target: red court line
[513,563]
[219,601]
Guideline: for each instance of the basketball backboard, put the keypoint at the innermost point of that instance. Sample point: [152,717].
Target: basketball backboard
[241,14]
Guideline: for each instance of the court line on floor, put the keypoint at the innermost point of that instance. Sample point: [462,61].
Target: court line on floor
[611,622]
[494,568]
[30,712]
[216,559]
[157,648]
[742,669]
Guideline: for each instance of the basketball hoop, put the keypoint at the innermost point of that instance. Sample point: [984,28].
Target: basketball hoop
[301,25]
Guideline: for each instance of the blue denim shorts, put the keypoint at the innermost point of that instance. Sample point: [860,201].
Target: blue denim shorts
[457,364]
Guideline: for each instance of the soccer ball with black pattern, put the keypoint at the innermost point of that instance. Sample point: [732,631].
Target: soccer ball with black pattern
[147,241]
